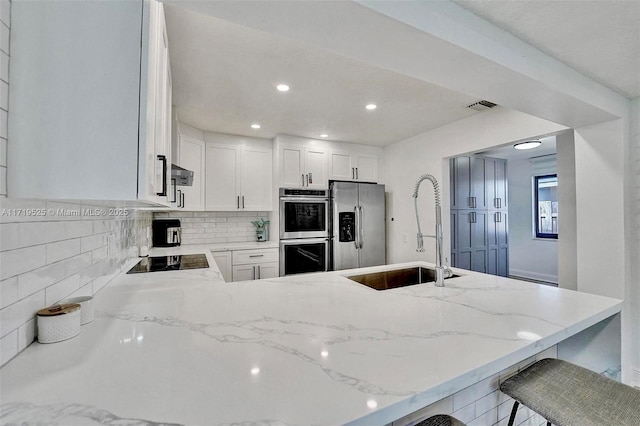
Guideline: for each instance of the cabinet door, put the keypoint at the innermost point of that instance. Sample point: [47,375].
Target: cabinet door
[462,182]
[471,240]
[341,166]
[256,179]
[223,260]
[501,193]
[244,272]
[268,270]
[478,175]
[222,186]
[192,157]
[316,168]
[367,168]
[291,163]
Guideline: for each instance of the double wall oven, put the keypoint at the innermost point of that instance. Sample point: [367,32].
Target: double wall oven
[304,231]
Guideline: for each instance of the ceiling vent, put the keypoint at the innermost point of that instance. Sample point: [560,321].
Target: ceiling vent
[481,106]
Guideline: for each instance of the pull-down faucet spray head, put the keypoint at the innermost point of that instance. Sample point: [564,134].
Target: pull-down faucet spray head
[440,270]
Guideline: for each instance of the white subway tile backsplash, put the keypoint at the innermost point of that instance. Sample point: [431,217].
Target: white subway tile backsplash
[8,291]
[13,316]
[42,259]
[14,262]
[3,124]
[9,236]
[215,227]
[5,12]
[62,289]
[4,67]
[4,95]
[3,180]
[465,414]
[8,346]
[26,334]
[3,152]
[63,250]
[4,39]
[36,280]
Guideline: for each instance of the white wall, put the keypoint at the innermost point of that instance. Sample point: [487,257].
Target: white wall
[631,319]
[405,161]
[567,239]
[529,257]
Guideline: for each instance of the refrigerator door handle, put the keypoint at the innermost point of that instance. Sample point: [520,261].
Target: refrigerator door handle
[361,226]
[357,217]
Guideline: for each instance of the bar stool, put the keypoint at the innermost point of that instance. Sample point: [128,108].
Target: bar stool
[440,420]
[566,394]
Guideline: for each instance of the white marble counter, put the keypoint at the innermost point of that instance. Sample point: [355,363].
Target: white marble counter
[184,347]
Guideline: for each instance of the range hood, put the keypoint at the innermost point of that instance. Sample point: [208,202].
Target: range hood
[182,177]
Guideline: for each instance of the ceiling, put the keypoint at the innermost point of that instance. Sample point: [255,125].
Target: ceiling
[224,77]
[600,39]
[224,74]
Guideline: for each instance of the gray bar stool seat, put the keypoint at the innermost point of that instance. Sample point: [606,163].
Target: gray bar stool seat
[440,420]
[568,395]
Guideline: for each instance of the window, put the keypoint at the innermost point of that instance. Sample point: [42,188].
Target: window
[546,202]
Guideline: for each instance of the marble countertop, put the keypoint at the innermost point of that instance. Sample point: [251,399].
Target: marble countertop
[184,347]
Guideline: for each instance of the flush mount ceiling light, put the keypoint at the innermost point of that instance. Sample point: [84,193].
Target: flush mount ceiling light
[255,126]
[324,135]
[528,145]
[282,87]
[371,107]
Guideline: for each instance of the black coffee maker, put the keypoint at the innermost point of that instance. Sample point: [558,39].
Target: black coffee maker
[166,232]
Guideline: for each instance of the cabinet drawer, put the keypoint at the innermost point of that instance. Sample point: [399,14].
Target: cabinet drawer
[244,257]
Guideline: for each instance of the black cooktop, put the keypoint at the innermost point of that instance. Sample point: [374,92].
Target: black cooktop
[170,263]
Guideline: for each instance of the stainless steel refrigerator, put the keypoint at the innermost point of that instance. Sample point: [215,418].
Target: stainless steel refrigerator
[357,225]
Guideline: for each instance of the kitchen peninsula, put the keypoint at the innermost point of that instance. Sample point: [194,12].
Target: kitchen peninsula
[184,347]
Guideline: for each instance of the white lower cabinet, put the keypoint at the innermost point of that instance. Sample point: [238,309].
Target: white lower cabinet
[223,260]
[248,265]
[255,264]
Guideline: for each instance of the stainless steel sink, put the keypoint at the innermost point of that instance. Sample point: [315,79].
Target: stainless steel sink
[395,278]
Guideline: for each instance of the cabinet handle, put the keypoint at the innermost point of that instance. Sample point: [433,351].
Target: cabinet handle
[357,176]
[353,173]
[238,201]
[499,203]
[243,201]
[256,255]
[307,176]
[302,175]
[175,187]
[182,199]
[472,217]
[254,272]
[497,217]
[310,177]
[163,158]
[474,200]
[258,271]
[179,198]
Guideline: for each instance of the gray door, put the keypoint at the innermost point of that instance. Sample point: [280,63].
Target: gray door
[344,212]
[371,225]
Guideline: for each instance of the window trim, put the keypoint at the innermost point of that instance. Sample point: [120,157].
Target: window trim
[536,209]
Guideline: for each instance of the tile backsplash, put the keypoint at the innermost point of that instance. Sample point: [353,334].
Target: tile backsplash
[216,227]
[50,251]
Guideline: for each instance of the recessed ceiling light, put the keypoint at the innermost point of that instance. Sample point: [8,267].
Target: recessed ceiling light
[527,145]
[282,87]
[255,126]
[371,107]
[324,135]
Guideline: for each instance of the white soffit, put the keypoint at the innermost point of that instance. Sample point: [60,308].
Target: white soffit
[600,39]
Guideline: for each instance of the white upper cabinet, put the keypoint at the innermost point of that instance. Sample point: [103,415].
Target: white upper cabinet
[239,175]
[303,167]
[90,102]
[353,166]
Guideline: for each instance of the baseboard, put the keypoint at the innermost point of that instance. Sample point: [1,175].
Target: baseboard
[534,275]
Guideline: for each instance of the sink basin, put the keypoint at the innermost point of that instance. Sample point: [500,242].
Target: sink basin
[395,278]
